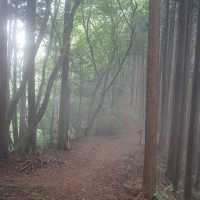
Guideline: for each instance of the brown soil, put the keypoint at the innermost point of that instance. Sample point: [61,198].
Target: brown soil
[97,168]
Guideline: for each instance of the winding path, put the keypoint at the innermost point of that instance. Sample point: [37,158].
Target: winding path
[92,170]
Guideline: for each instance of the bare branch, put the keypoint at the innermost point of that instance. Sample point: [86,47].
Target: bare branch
[43,26]
[86,29]
[47,54]
[44,104]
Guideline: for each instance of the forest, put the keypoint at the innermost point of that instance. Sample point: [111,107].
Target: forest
[99,99]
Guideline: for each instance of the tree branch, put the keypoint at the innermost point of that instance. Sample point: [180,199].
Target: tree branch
[51,80]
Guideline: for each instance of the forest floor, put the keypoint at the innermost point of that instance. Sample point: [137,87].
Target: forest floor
[97,168]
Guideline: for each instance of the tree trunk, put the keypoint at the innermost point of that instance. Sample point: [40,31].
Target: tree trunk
[132,82]
[197,178]
[170,63]
[165,75]
[31,17]
[22,123]
[15,121]
[64,112]
[149,176]
[176,137]
[51,128]
[3,81]
[193,118]
[63,124]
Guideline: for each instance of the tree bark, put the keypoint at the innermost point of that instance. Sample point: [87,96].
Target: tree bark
[171,54]
[193,118]
[165,75]
[3,81]
[149,176]
[30,64]
[14,120]
[178,107]
[64,112]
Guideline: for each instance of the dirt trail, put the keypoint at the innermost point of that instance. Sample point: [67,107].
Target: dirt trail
[92,171]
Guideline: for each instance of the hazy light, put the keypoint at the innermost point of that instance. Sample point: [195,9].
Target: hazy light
[20,35]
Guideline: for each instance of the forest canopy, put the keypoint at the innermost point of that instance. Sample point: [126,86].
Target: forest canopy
[57,46]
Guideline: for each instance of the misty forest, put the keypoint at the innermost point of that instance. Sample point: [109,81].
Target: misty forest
[99,99]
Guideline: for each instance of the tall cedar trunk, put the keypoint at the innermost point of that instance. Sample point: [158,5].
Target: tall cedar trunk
[14,121]
[149,176]
[197,178]
[136,84]
[22,122]
[31,15]
[22,111]
[171,48]
[3,81]
[164,73]
[183,113]
[193,118]
[143,87]
[22,107]
[51,128]
[81,86]
[132,82]
[176,137]
[64,113]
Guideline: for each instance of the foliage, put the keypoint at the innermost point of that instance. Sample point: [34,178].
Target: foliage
[165,193]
